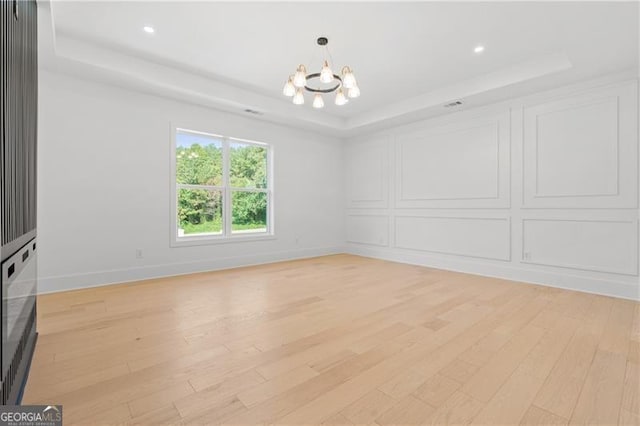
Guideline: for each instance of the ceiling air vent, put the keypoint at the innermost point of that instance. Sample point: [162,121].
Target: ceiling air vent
[253,111]
[453,104]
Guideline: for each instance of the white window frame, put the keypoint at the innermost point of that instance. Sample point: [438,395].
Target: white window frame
[227,190]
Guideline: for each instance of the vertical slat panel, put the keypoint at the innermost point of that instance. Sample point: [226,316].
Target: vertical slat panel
[18,157]
[3,103]
[18,153]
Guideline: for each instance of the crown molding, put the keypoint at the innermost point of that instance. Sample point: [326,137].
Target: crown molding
[68,54]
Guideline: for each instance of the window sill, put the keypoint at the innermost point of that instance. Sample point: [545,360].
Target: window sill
[208,240]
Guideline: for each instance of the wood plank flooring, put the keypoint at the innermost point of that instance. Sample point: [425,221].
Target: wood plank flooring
[337,340]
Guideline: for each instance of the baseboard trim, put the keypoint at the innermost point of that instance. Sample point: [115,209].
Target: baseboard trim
[55,284]
[602,287]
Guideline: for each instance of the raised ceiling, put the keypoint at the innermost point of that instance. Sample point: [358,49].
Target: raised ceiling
[408,57]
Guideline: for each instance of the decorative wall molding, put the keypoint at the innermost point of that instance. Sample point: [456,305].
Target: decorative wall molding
[580,234]
[368,174]
[478,237]
[431,173]
[611,243]
[581,151]
[608,104]
[370,229]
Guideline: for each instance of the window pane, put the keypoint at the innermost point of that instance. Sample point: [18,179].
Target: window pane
[249,211]
[198,159]
[199,212]
[248,165]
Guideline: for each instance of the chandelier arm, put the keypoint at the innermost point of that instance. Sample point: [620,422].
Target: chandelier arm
[329,90]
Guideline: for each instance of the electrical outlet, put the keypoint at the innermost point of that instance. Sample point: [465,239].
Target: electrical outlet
[138,253]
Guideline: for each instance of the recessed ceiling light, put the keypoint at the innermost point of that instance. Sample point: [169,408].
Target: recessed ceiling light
[479,49]
[149,30]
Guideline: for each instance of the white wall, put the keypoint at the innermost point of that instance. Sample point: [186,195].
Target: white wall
[542,189]
[104,187]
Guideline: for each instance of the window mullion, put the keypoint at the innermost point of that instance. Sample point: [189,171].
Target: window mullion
[203,187]
[240,189]
[226,169]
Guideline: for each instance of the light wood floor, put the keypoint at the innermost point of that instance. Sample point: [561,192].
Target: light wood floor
[337,340]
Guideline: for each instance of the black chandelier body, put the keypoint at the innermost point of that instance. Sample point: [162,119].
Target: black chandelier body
[329,90]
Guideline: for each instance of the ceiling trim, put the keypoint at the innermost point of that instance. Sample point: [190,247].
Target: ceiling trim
[517,73]
[72,55]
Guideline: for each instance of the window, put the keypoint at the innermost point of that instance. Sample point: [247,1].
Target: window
[222,188]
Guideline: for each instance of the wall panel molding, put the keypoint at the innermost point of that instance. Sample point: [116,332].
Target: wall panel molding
[367,174]
[431,173]
[569,159]
[598,245]
[479,237]
[370,229]
[581,151]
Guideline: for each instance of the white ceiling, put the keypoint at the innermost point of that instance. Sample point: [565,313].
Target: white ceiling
[407,56]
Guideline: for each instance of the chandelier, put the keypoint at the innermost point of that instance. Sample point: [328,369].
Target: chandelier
[301,80]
